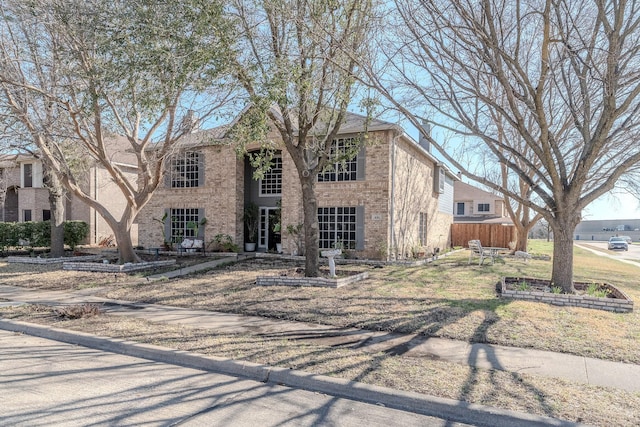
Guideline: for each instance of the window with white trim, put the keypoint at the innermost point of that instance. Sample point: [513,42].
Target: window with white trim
[185,170]
[337,225]
[483,207]
[271,182]
[182,221]
[460,208]
[343,170]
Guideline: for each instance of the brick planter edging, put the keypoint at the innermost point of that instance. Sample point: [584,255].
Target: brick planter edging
[115,268]
[620,304]
[38,260]
[310,281]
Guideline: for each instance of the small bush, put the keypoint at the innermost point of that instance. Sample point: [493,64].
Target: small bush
[224,243]
[75,232]
[596,290]
[78,311]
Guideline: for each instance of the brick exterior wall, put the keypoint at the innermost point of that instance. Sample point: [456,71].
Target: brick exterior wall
[223,196]
[34,199]
[413,180]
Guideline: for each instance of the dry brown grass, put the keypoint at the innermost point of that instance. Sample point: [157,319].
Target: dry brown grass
[526,393]
[448,299]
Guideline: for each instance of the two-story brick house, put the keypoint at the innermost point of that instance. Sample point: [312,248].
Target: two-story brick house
[391,200]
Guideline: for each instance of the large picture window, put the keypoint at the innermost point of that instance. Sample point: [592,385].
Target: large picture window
[271,182]
[186,169]
[341,170]
[182,223]
[337,225]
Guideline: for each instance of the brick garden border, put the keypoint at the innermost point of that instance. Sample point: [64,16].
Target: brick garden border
[619,302]
[115,268]
[39,260]
[312,281]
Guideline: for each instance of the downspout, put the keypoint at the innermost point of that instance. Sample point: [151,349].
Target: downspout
[392,234]
[95,212]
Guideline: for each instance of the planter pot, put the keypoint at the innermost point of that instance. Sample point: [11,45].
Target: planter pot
[249,247]
[279,248]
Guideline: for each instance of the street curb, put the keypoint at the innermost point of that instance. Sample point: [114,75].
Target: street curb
[449,409]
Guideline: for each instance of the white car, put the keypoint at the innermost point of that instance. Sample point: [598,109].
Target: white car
[618,243]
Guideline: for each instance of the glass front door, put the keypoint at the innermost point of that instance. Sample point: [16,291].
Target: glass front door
[267,239]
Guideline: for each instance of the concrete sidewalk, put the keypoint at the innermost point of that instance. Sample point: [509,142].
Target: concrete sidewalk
[555,365]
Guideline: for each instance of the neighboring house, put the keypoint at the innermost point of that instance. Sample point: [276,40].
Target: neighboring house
[474,205]
[391,200]
[23,196]
[480,215]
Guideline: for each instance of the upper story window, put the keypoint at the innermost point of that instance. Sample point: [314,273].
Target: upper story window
[27,175]
[348,170]
[483,207]
[271,182]
[187,170]
[460,208]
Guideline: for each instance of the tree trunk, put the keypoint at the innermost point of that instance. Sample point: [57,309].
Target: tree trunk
[522,237]
[57,226]
[126,253]
[311,238]
[56,201]
[562,273]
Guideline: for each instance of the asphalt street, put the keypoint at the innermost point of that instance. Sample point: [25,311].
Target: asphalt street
[632,256]
[48,383]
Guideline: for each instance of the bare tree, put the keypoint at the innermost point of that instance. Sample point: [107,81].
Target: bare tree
[111,71]
[562,75]
[298,65]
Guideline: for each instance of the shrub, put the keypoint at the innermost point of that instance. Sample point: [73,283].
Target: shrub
[224,243]
[78,311]
[38,234]
[75,232]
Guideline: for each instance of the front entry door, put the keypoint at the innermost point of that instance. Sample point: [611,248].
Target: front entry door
[265,237]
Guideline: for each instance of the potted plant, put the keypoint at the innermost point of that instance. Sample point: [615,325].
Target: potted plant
[195,226]
[251,222]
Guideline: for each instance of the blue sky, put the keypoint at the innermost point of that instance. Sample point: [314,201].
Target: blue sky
[615,205]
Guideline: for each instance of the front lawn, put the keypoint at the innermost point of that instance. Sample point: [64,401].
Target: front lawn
[448,298]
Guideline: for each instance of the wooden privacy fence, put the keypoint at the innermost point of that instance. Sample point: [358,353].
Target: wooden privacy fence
[494,235]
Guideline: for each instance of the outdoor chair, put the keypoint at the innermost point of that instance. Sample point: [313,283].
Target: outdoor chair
[476,249]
